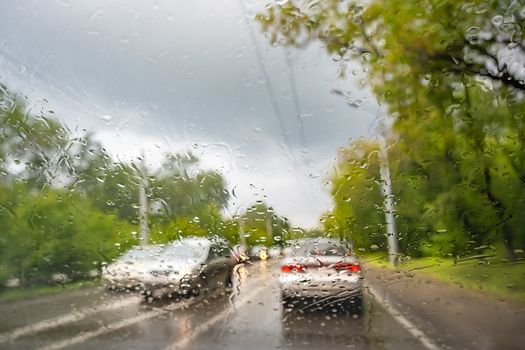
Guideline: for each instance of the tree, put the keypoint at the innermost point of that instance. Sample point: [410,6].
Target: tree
[33,149]
[258,219]
[409,38]
[200,194]
[357,213]
[66,207]
[447,72]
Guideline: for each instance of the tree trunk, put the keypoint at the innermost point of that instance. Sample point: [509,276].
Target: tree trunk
[509,243]
[500,209]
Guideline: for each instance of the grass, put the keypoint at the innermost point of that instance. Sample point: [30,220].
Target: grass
[500,278]
[12,294]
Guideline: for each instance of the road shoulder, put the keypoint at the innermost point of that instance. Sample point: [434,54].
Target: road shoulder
[453,316]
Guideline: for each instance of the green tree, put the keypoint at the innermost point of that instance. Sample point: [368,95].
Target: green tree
[189,200]
[56,231]
[357,213]
[32,148]
[444,72]
[258,220]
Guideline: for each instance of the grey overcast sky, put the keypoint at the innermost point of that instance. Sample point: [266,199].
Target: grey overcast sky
[171,76]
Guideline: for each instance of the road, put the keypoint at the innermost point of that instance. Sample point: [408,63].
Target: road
[249,316]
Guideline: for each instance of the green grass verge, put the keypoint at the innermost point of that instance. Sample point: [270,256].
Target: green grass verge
[500,278]
[12,294]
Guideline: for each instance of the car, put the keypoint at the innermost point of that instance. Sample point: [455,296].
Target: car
[128,271]
[188,267]
[259,252]
[324,270]
[274,252]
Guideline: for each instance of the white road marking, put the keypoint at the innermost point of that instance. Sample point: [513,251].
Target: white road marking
[86,312]
[195,332]
[145,316]
[410,327]
[64,319]
[117,325]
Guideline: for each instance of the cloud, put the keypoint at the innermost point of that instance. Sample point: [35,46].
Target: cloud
[173,75]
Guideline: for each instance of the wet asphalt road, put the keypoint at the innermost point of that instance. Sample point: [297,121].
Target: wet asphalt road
[249,316]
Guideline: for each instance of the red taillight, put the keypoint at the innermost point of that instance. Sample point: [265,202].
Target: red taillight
[286,268]
[355,268]
[290,268]
[349,267]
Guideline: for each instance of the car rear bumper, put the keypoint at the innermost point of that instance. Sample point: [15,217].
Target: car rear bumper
[314,286]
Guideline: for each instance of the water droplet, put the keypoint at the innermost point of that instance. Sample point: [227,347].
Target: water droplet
[366,57]
[497,20]
[354,103]
[106,118]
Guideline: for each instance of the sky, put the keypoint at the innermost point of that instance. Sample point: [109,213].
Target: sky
[176,76]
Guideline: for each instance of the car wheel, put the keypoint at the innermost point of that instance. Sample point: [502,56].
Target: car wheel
[191,292]
[188,288]
[147,295]
[228,282]
[195,292]
[286,301]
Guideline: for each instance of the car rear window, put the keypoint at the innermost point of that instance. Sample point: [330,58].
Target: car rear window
[315,248]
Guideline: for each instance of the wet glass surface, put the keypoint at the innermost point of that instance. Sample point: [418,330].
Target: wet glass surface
[296,174]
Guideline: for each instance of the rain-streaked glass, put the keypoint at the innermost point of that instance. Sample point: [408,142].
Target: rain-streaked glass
[291,174]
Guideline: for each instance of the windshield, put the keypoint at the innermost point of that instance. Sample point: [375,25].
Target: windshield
[262,174]
[318,248]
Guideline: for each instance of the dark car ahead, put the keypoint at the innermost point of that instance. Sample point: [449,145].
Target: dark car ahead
[188,267]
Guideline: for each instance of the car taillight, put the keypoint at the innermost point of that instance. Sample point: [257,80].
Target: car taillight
[290,268]
[286,268]
[352,267]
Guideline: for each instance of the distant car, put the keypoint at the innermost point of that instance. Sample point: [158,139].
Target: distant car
[259,252]
[274,252]
[128,271]
[323,270]
[188,267]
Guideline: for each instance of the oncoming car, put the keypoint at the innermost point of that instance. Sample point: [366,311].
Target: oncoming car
[323,270]
[188,267]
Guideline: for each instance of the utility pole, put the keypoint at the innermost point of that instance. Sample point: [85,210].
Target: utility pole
[269,230]
[388,203]
[242,239]
[143,204]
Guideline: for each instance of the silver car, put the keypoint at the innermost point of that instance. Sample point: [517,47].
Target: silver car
[128,271]
[188,267]
[323,270]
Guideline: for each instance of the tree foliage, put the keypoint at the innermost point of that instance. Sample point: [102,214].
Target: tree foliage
[67,207]
[451,76]
[262,226]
